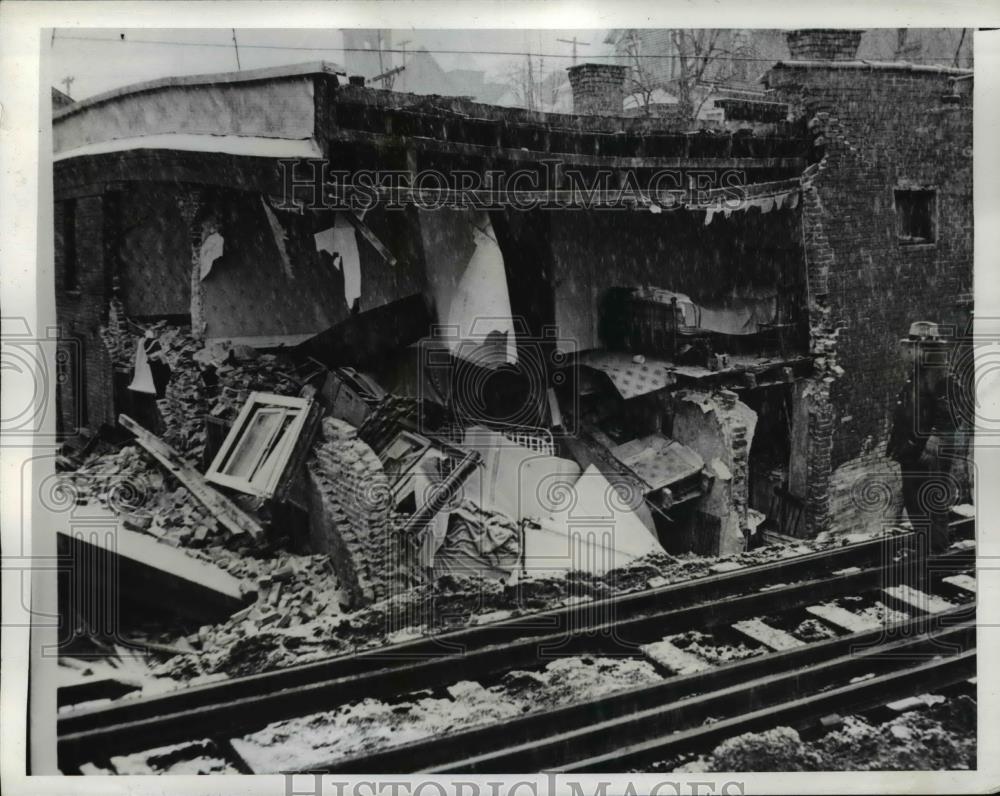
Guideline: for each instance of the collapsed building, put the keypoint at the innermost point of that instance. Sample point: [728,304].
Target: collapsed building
[564,371]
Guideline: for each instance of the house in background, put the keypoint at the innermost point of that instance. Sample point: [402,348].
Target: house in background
[371,53]
[741,58]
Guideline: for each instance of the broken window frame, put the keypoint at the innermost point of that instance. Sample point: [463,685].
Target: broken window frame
[273,449]
[909,203]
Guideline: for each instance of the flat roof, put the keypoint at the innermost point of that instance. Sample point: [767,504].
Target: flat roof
[248,76]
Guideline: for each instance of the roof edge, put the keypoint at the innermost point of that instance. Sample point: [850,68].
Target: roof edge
[888,66]
[251,75]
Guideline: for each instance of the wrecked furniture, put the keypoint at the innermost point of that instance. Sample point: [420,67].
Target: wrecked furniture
[350,395]
[665,466]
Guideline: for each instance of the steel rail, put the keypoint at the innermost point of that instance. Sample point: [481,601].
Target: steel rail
[937,672]
[245,704]
[524,743]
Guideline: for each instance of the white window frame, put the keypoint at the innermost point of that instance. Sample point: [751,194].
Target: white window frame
[282,450]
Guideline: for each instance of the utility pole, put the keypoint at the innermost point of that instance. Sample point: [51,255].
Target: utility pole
[531,85]
[68,81]
[237,48]
[402,46]
[381,66]
[574,42]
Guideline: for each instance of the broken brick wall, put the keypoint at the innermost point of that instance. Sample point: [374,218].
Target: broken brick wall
[269,283]
[880,128]
[348,498]
[719,428]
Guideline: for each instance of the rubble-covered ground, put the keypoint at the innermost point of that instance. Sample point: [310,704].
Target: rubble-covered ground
[939,737]
[299,612]
[370,724]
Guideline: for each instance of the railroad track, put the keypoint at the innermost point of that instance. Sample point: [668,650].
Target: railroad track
[635,725]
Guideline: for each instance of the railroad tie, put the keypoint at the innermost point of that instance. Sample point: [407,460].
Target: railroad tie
[674,658]
[918,600]
[771,637]
[842,618]
[964,582]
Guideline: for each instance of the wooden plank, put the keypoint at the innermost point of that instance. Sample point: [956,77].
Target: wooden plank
[225,511]
[366,232]
[771,637]
[919,600]
[150,574]
[842,618]
[966,583]
[674,658]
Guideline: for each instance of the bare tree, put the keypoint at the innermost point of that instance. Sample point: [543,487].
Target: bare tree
[702,56]
[523,85]
[706,57]
[641,81]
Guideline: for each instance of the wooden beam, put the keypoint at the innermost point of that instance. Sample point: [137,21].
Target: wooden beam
[366,232]
[225,511]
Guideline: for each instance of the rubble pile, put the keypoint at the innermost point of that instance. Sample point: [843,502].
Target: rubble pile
[300,612]
[213,380]
[131,486]
[294,618]
[941,737]
[364,586]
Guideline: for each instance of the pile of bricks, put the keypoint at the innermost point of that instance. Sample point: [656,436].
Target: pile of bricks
[188,397]
[135,489]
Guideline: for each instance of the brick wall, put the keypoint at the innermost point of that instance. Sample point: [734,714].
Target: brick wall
[86,396]
[823,44]
[878,128]
[349,512]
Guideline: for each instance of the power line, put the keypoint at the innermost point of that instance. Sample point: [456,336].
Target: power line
[506,53]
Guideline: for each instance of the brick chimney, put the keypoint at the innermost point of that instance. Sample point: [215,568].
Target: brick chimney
[598,89]
[823,44]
